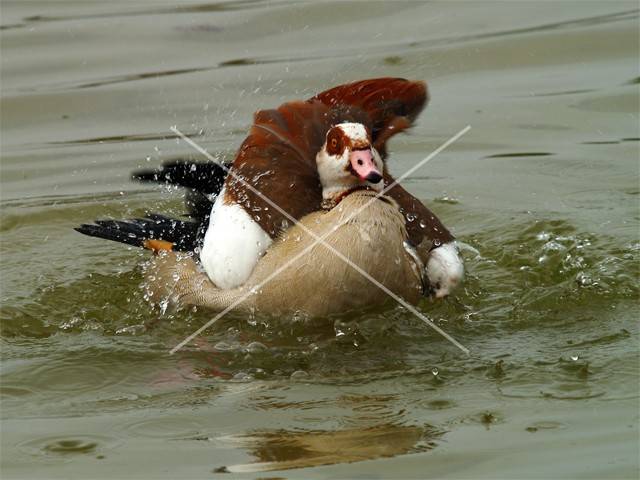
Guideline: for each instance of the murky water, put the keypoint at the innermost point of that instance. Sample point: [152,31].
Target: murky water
[543,189]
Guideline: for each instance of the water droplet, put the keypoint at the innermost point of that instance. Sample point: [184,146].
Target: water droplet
[255,347]
[435,371]
[423,224]
[411,217]
[163,306]
[223,346]
[242,377]
[583,279]
[575,357]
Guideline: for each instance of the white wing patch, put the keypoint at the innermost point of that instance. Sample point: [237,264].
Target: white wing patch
[445,269]
[233,244]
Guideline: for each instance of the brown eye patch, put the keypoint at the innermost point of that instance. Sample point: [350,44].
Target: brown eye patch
[335,141]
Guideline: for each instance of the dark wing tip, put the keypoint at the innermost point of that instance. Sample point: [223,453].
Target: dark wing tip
[205,177]
[109,230]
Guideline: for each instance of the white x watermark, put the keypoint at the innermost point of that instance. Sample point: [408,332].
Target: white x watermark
[320,239]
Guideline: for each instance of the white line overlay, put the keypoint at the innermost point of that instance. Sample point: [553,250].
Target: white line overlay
[320,240]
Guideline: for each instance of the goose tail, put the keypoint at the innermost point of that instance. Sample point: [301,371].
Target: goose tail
[154,232]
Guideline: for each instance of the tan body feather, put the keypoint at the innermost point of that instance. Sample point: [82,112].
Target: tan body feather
[319,282]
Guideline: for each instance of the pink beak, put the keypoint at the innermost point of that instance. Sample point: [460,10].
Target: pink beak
[363,165]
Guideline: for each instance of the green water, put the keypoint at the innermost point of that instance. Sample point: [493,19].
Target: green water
[544,190]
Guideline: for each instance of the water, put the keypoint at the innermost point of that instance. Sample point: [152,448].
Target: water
[543,190]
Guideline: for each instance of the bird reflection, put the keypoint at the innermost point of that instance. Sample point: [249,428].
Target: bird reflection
[283,449]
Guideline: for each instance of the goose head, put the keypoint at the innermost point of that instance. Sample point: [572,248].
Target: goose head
[348,161]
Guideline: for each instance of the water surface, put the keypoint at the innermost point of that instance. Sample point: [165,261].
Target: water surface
[543,190]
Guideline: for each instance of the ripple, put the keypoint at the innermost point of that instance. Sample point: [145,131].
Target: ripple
[154,74]
[440,404]
[600,340]
[556,391]
[556,267]
[486,418]
[592,198]
[271,402]
[165,428]
[68,445]
[564,92]
[72,378]
[15,391]
[140,137]
[588,394]
[601,142]
[520,154]
[545,425]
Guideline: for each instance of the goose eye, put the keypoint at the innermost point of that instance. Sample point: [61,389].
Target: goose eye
[334,143]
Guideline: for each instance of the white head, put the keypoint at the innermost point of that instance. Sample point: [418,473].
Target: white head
[348,161]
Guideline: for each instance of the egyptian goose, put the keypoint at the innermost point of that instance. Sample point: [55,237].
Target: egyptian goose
[278,159]
[315,281]
[358,223]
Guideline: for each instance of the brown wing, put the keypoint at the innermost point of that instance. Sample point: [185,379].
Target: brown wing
[392,104]
[420,221]
[278,158]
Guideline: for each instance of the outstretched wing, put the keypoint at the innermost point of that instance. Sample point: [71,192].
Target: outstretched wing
[278,160]
[386,105]
[174,234]
[391,104]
